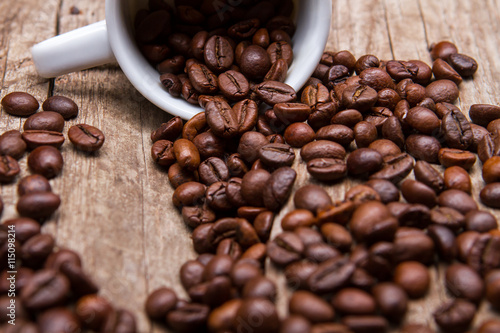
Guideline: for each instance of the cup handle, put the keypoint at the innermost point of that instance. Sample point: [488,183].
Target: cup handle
[73,51]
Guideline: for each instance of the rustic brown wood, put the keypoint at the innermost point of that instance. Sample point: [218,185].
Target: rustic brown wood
[116,208]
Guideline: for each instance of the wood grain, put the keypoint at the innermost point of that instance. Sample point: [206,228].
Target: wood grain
[116,209]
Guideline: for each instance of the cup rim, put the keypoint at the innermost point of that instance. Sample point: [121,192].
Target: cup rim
[147,80]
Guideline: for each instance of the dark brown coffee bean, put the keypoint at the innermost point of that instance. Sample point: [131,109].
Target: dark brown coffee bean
[291,112]
[444,241]
[46,288]
[391,299]
[39,205]
[58,319]
[202,79]
[86,137]
[162,153]
[196,215]
[186,154]
[233,85]
[278,188]
[366,324]
[353,301]
[455,315]
[372,221]
[359,97]
[47,120]
[285,249]
[489,326]
[252,187]
[423,120]
[310,306]
[311,197]
[456,157]
[257,308]
[348,118]
[322,149]
[366,61]
[463,64]
[483,114]
[20,104]
[189,93]
[12,144]
[413,277]
[388,98]
[363,162]
[480,221]
[173,85]
[155,53]
[280,50]
[458,200]
[492,281]
[298,218]
[442,91]
[276,155]
[448,217]
[417,192]
[190,317]
[297,324]
[443,70]
[278,71]
[221,119]
[209,145]
[274,92]
[213,170]
[168,131]
[426,174]
[60,104]
[387,191]
[400,70]
[299,134]
[395,168]
[93,310]
[337,133]
[490,195]
[188,194]
[249,145]
[456,129]
[456,177]
[9,169]
[25,228]
[255,62]
[218,54]
[174,65]
[330,275]
[491,170]
[464,282]
[46,160]
[120,321]
[36,249]
[424,73]
[364,134]
[442,50]
[478,134]
[327,169]
[37,138]
[376,78]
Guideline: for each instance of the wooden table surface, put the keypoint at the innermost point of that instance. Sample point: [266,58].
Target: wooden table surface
[116,209]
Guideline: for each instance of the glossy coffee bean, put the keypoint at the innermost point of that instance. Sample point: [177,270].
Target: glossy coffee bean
[372,221]
[12,144]
[20,104]
[464,282]
[36,249]
[278,188]
[37,138]
[353,301]
[442,91]
[58,319]
[252,187]
[47,120]
[327,169]
[442,50]
[255,62]
[480,221]
[46,160]
[62,105]
[413,277]
[450,157]
[426,174]
[93,310]
[310,306]
[25,228]
[457,200]
[489,326]
[221,119]
[38,205]
[387,191]
[455,315]
[483,114]
[417,192]
[168,131]
[274,92]
[375,324]
[162,153]
[46,288]
[298,135]
[443,70]
[86,137]
[9,169]
[391,299]
[492,282]
[257,308]
[490,194]
[233,85]
[32,184]
[322,149]
[463,64]
[363,162]
[311,197]
[285,249]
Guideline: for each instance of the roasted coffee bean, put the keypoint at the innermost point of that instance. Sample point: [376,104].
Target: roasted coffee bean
[120,321]
[483,114]
[45,289]
[448,217]
[260,287]
[236,165]
[388,98]
[372,221]
[189,93]
[190,317]
[455,315]
[490,195]
[297,324]
[444,241]
[93,310]
[62,256]
[298,218]
[413,277]
[218,54]
[365,133]
[9,169]
[276,155]
[458,200]
[442,91]
[310,306]
[178,175]
[190,275]
[400,70]
[492,282]
[244,29]
[491,170]
[168,131]
[280,50]
[285,249]
[376,78]
[173,85]
[233,85]
[442,50]
[489,326]
[480,221]
[46,160]
[86,137]
[291,112]
[327,169]
[186,154]
[311,197]
[58,319]
[348,118]
[174,65]
[426,174]
[423,120]
[188,194]
[222,119]
[253,185]
[155,53]
[20,104]
[12,144]
[365,324]
[274,92]
[162,153]
[456,177]
[359,97]
[222,317]
[216,196]
[37,138]
[320,252]
[257,308]
[463,64]
[366,61]
[279,187]
[391,299]
[411,215]
[443,70]
[25,228]
[417,192]
[81,283]
[387,191]
[202,79]
[213,170]
[363,162]
[255,62]
[413,244]
[36,249]
[330,275]
[337,236]
[322,149]
[456,130]
[337,133]
[196,215]
[62,105]
[464,282]
[299,134]
[361,193]
[395,168]
[353,301]
[278,71]
[456,157]
[47,120]
[209,145]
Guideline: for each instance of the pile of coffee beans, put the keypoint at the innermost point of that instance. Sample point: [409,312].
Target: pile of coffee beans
[352,262]
[51,291]
[207,48]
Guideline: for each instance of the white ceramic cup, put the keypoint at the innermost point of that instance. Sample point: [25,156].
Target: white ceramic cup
[105,41]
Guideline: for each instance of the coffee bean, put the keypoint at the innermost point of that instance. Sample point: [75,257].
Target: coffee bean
[366,61]
[285,249]
[456,157]
[490,194]
[38,205]
[9,169]
[387,191]
[222,317]
[372,221]
[480,221]
[61,257]
[47,120]
[36,249]
[253,185]
[426,174]
[93,310]
[365,133]
[244,29]
[492,282]
[423,120]
[417,192]
[416,328]
[20,104]
[255,62]
[456,129]
[202,79]
[348,118]
[276,155]
[190,317]
[221,119]
[363,162]
[174,65]
[442,50]
[337,133]
[58,319]
[296,324]
[310,306]
[353,301]
[168,131]
[188,194]
[86,137]
[45,289]
[155,24]
[216,196]
[274,92]
[483,114]
[455,315]
[330,275]
[12,144]
[186,154]
[413,277]
[365,324]
[458,200]
[233,85]
[312,198]
[278,71]
[62,105]
[359,97]
[327,169]
[442,91]
[464,282]
[298,135]
[413,244]
[489,326]
[278,189]
[291,112]
[391,299]
[444,241]
[448,217]
[257,308]
[162,153]
[37,138]
[46,160]
[25,228]
[463,64]
[173,85]
[395,168]
[400,70]
[322,149]
[443,70]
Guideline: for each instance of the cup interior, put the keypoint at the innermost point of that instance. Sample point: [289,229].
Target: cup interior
[313,25]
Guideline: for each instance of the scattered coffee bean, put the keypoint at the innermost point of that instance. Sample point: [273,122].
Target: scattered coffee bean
[20,104]
[86,137]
